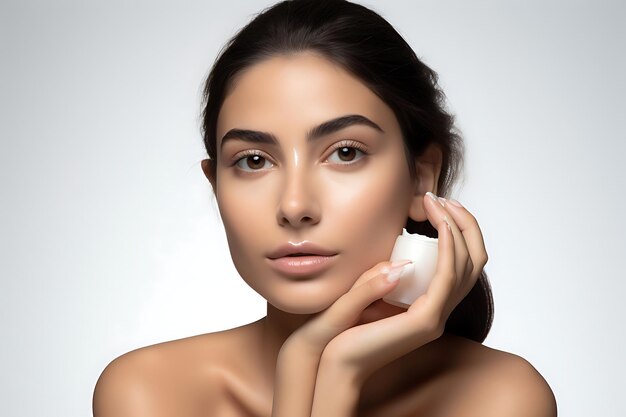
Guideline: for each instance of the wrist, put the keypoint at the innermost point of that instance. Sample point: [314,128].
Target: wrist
[348,374]
[337,390]
[296,348]
[294,383]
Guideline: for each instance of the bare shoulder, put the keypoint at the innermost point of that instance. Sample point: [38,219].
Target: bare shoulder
[179,377]
[499,383]
[521,389]
[455,376]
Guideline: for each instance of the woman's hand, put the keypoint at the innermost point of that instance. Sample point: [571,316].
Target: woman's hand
[324,362]
[364,348]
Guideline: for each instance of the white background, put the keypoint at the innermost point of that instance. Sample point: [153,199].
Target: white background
[110,239]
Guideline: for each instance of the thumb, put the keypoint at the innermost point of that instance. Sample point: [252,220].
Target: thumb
[345,312]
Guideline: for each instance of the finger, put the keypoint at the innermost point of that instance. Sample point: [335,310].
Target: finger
[344,312]
[379,310]
[361,296]
[470,229]
[444,280]
[437,213]
[377,269]
[371,273]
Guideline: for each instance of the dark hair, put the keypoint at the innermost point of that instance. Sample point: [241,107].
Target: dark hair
[367,46]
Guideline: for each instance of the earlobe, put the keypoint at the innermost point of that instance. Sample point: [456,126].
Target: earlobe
[209,170]
[427,168]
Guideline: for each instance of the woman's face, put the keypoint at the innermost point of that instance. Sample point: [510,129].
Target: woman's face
[346,189]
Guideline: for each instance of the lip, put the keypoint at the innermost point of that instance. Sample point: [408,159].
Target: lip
[302,265]
[312,258]
[304,247]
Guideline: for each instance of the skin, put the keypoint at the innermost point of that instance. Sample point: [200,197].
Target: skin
[328,345]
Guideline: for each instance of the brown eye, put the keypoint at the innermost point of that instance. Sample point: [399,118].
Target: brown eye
[347,154]
[251,162]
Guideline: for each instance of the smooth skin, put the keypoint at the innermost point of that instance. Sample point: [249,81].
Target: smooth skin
[329,346]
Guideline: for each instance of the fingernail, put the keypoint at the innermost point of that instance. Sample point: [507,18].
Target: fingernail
[401,262]
[397,269]
[431,195]
[435,198]
[385,269]
[455,203]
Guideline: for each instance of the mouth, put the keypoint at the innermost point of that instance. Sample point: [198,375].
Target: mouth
[302,264]
[301,259]
[305,248]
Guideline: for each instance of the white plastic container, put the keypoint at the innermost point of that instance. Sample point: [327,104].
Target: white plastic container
[422,250]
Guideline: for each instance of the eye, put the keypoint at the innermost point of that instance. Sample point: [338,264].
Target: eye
[348,151]
[251,159]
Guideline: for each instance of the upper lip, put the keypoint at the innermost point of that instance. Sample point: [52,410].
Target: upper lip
[304,248]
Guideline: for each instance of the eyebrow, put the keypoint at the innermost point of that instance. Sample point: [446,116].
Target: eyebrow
[317,132]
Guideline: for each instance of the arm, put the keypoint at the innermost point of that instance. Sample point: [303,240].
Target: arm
[337,391]
[296,372]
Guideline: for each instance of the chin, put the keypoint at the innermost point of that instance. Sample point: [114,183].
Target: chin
[297,295]
[299,309]
[302,300]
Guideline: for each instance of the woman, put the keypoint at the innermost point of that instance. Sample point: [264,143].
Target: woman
[326,136]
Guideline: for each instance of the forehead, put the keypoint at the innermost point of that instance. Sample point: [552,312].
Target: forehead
[289,94]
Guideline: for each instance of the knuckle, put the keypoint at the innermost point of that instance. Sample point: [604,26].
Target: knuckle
[470,264]
[370,289]
[380,265]
[472,218]
[454,277]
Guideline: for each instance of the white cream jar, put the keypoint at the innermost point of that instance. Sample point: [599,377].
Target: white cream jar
[422,250]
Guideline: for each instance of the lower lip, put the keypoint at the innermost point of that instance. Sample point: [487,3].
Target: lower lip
[301,265]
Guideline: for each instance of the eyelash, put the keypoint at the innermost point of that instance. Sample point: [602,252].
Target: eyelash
[343,144]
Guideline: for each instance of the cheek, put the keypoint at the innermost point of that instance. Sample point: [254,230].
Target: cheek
[372,202]
[370,213]
[244,212]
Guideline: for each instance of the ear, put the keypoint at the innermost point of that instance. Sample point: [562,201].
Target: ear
[209,168]
[428,168]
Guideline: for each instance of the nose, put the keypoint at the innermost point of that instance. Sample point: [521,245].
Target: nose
[298,205]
